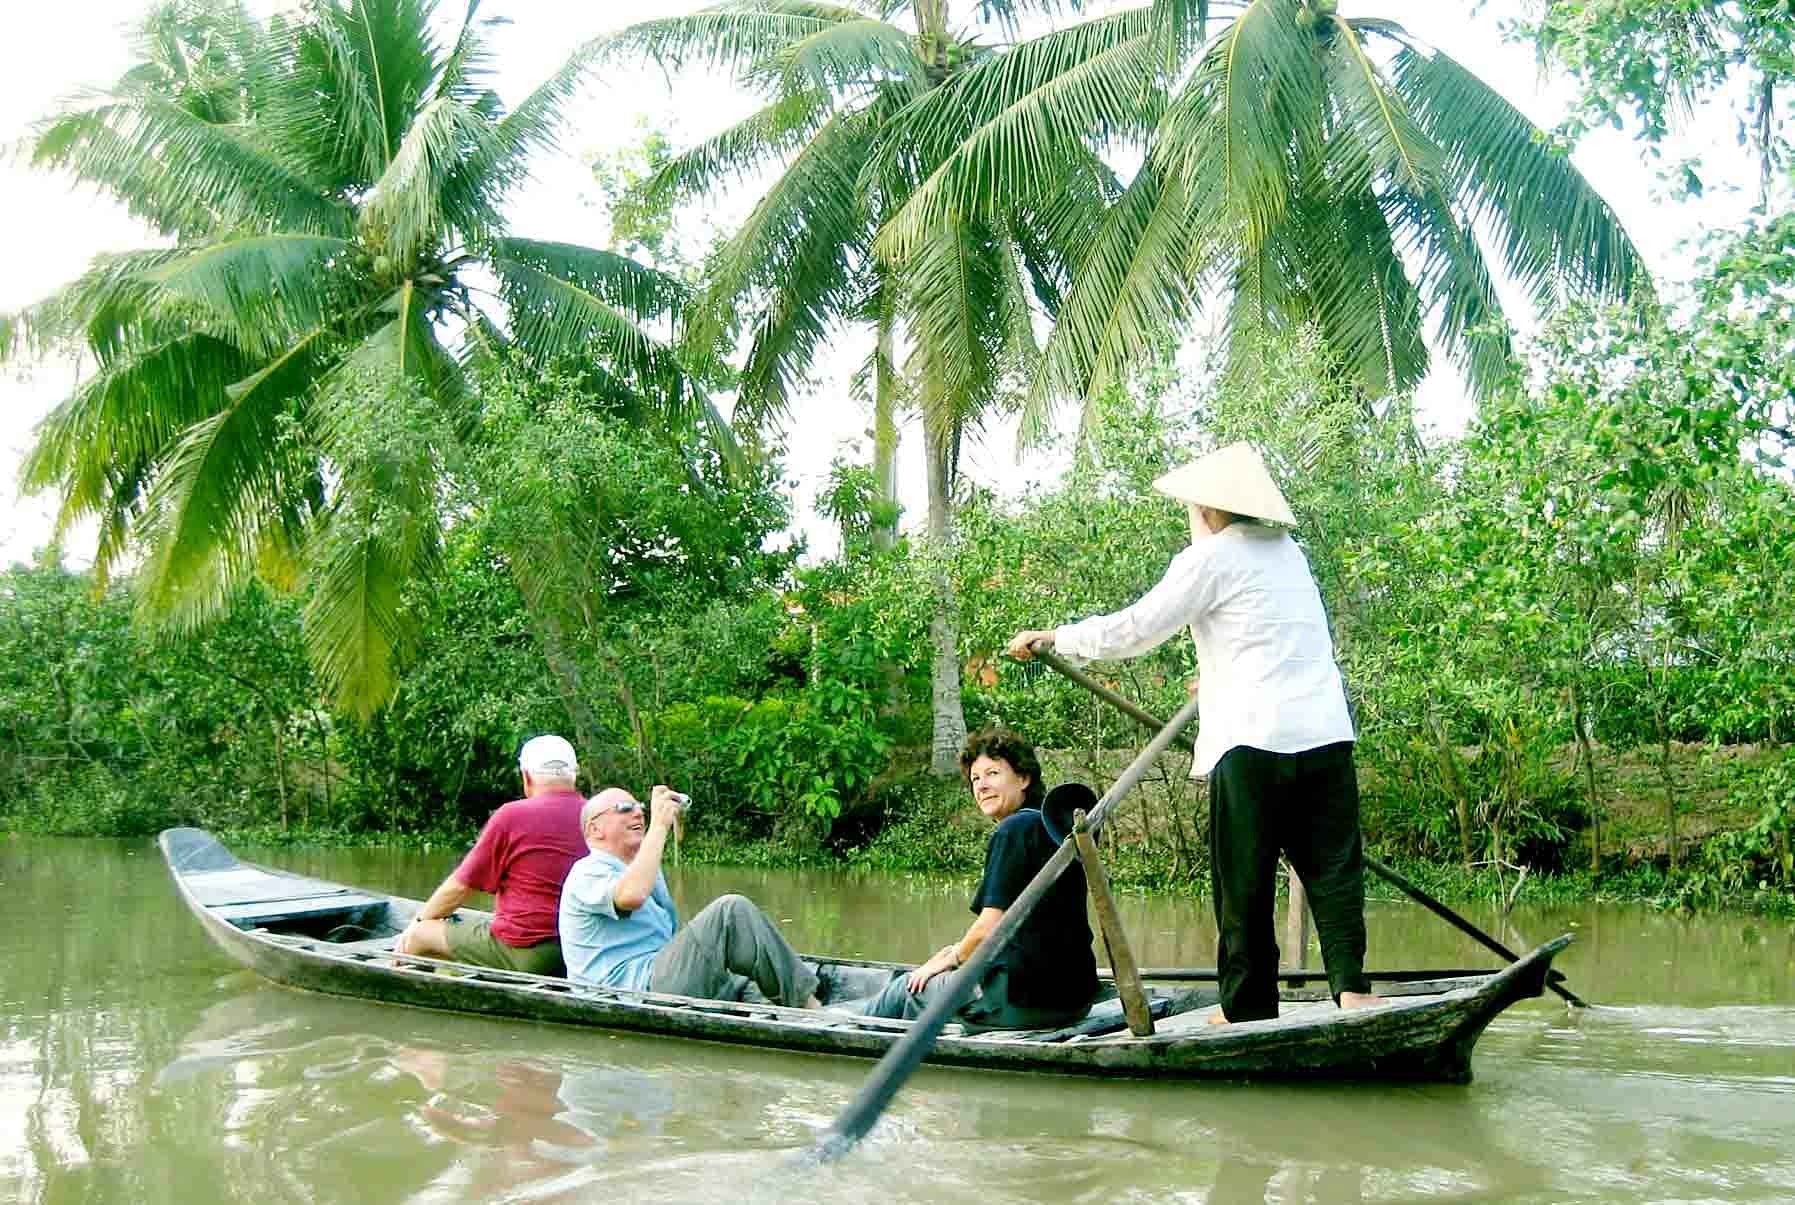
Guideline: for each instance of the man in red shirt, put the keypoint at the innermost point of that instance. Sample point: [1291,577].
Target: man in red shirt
[522,858]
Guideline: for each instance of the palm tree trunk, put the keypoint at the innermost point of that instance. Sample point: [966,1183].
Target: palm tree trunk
[885,432]
[944,675]
[566,671]
[1586,750]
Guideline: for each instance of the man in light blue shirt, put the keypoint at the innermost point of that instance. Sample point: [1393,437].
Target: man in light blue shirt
[619,927]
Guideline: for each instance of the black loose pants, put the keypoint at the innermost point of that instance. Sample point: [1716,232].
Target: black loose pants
[1304,806]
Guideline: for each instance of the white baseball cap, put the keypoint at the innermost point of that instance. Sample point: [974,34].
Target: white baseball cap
[548,755]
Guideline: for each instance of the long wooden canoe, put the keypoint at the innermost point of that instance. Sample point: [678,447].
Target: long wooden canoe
[326,937]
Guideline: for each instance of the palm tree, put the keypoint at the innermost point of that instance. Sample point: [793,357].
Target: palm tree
[272,391]
[1305,165]
[834,77]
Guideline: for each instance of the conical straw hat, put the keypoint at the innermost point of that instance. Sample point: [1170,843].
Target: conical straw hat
[1233,479]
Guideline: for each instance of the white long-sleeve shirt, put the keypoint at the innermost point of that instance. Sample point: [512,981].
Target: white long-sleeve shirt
[1268,678]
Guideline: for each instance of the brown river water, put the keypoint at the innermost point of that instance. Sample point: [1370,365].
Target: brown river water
[137,1064]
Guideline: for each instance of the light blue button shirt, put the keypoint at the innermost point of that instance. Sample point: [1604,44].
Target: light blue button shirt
[602,947]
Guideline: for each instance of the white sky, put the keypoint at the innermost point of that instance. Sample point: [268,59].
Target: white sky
[52,51]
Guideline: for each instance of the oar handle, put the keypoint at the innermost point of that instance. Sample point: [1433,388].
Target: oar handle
[1055,661]
[902,1059]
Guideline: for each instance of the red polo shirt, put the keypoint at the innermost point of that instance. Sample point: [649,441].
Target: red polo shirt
[522,857]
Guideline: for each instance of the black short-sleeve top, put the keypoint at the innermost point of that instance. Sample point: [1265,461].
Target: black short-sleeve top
[1049,960]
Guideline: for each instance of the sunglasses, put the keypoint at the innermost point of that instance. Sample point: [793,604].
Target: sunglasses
[625,807]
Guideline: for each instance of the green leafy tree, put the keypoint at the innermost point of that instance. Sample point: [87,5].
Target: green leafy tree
[273,392]
[604,527]
[1303,164]
[836,77]
[1657,61]
[109,732]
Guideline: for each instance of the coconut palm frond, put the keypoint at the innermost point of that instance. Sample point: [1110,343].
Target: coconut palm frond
[636,290]
[424,194]
[374,66]
[997,135]
[1248,122]
[812,204]
[323,108]
[100,308]
[535,124]
[219,487]
[1133,285]
[1015,316]
[791,323]
[378,417]
[357,626]
[200,56]
[181,173]
[575,302]
[846,54]
[263,286]
[469,65]
[768,136]
[1363,302]
[103,445]
[954,286]
[1378,140]
[1056,233]
[1182,27]
[1007,15]
[739,36]
[1552,228]
[1457,280]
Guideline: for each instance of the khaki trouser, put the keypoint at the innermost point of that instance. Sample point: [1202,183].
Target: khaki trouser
[473,942]
[729,938]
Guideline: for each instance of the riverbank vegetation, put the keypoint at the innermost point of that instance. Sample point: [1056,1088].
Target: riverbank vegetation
[346,569]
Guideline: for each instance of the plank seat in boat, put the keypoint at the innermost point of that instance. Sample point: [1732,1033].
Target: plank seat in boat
[248,897]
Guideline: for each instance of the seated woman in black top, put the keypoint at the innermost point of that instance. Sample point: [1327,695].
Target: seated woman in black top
[1047,975]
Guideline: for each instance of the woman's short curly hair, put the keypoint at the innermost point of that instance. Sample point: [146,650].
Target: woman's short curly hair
[1005,744]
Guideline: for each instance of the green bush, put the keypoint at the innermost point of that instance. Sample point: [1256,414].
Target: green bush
[786,766]
[1753,866]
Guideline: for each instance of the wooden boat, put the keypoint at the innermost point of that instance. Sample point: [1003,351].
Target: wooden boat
[326,937]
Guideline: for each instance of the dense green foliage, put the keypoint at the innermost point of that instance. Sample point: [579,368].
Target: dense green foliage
[1517,613]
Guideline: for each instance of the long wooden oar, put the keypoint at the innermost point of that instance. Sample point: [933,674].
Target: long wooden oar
[903,1058]
[1372,864]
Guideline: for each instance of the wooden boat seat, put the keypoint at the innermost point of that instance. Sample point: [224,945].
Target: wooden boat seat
[248,898]
[346,905]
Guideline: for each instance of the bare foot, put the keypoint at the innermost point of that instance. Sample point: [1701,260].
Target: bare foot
[813,1003]
[1359,1000]
[1218,1017]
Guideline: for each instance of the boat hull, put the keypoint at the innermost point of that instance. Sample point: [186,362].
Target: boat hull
[303,933]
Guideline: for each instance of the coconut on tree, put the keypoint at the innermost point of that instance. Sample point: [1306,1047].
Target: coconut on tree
[281,387]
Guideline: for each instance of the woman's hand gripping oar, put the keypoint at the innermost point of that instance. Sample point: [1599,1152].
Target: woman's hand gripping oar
[1044,653]
[902,1059]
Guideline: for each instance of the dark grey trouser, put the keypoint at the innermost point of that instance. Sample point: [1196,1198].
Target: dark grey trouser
[729,938]
[991,1008]
[1305,806]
